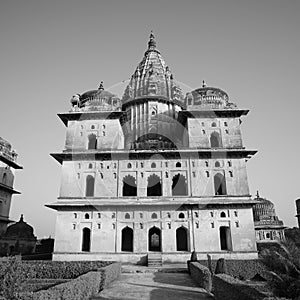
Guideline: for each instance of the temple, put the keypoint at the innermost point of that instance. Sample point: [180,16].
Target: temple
[154,175]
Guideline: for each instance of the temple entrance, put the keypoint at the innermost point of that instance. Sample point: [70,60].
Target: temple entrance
[154,239]
[225,238]
[127,239]
[181,239]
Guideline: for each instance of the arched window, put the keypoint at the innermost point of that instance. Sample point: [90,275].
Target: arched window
[90,166]
[217,164]
[75,215]
[154,186]
[179,186]
[154,216]
[153,165]
[86,239]
[92,127]
[213,124]
[181,216]
[222,214]
[154,239]
[215,141]
[178,165]
[127,216]
[89,189]
[127,239]
[86,216]
[92,141]
[230,174]
[168,215]
[129,165]
[129,186]
[225,238]
[4,178]
[220,184]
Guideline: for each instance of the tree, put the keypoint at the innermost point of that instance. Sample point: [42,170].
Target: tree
[283,267]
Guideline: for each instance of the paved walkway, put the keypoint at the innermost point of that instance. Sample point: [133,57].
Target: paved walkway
[152,286]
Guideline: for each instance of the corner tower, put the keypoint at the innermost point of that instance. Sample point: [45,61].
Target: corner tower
[155,172]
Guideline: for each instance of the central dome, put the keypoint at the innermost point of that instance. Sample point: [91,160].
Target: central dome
[153,79]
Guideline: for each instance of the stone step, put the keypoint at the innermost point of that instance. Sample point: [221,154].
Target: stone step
[154,260]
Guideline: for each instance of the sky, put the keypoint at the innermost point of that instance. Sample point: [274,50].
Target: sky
[50,50]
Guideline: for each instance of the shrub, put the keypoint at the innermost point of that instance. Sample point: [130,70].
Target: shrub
[201,275]
[221,267]
[11,278]
[284,269]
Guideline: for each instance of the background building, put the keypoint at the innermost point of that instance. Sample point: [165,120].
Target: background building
[155,172]
[8,162]
[268,227]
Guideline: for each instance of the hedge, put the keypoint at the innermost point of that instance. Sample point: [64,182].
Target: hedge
[80,288]
[241,269]
[56,269]
[226,287]
[201,275]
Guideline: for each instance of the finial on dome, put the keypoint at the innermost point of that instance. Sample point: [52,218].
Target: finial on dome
[204,84]
[21,218]
[257,194]
[152,42]
[101,87]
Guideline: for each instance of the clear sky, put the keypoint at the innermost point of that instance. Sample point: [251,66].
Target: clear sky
[50,50]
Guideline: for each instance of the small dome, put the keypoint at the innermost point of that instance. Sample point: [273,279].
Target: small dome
[263,209]
[19,230]
[208,97]
[5,143]
[98,100]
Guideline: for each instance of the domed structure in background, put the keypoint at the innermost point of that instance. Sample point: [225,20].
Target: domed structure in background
[268,227]
[18,239]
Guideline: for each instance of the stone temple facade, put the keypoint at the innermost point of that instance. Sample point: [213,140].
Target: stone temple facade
[155,172]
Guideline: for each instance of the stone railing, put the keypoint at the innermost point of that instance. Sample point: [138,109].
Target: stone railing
[8,154]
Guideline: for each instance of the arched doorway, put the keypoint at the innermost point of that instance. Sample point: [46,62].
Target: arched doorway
[215,141]
[154,186]
[129,186]
[225,238]
[181,239]
[154,239]
[179,186]
[127,239]
[92,142]
[86,239]
[220,184]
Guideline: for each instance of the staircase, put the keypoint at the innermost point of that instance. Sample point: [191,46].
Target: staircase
[154,259]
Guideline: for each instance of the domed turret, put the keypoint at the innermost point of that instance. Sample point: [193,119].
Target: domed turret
[96,100]
[152,101]
[152,78]
[19,230]
[208,98]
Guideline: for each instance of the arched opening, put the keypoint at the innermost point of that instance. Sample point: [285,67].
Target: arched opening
[127,216]
[154,186]
[220,184]
[217,164]
[86,239]
[4,178]
[129,186]
[178,164]
[127,239]
[92,141]
[181,239]
[86,216]
[213,124]
[215,141]
[225,238]
[90,166]
[179,186]
[154,216]
[154,239]
[90,183]
[153,165]
[181,216]
[223,215]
